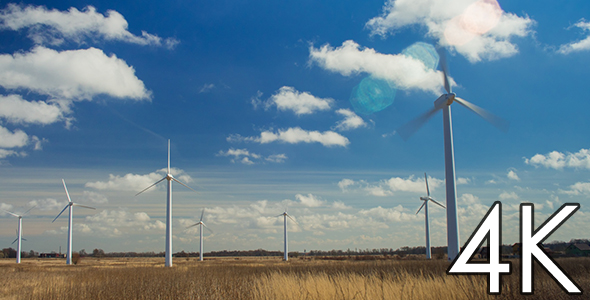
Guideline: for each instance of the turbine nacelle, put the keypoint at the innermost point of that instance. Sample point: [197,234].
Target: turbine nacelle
[444,100]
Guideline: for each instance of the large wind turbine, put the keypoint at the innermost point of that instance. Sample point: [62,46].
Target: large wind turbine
[170,178]
[19,232]
[444,103]
[427,222]
[201,224]
[71,206]
[285,216]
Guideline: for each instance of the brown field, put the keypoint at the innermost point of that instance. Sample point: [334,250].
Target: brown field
[266,278]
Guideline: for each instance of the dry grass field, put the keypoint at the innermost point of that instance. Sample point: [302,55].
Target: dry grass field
[266,278]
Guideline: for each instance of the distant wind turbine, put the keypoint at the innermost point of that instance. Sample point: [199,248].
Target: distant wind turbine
[427,222]
[201,224]
[71,206]
[170,178]
[444,103]
[19,232]
[285,216]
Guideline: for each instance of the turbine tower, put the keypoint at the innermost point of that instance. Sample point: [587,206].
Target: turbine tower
[285,216]
[71,206]
[170,178]
[444,103]
[427,222]
[19,232]
[201,224]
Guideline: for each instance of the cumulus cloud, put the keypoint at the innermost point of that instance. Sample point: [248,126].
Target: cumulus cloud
[49,204]
[404,71]
[296,135]
[581,45]
[16,110]
[310,200]
[340,205]
[463,180]
[512,175]
[54,27]
[136,182]
[478,30]
[396,214]
[579,188]
[558,160]
[388,187]
[350,121]
[506,196]
[249,158]
[300,103]
[72,74]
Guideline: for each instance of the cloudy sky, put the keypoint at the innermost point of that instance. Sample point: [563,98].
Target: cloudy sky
[292,105]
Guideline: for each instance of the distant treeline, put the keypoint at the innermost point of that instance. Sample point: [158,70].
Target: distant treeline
[437,252]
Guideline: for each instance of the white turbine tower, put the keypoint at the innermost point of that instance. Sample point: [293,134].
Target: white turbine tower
[170,178]
[71,206]
[427,222]
[444,103]
[19,232]
[285,216]
[201,224]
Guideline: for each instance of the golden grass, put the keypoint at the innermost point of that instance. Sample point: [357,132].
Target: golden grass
[251,278]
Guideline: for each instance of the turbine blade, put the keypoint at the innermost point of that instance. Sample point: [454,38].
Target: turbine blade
[279,215]
[29,210]
[427,189]
[11,213]
[207,228]
[202,213]
[22,238]
[408,129]
[168,156]
[62,211]
[437,202]
[445,69]
[14,241]
[66,188]
[150,186]
[76,204]
[193,225]
[488,116]
[292,219]
[184,185]
[419,209]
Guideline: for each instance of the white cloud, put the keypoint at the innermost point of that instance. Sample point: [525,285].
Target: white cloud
[15,110]
[49,204]
[351,120]
[403,71]
[478,30]
[579,188]
[6,153]
[557,160]
[136,182]
[301,103]
[345,183]
[16,139]
[310,200]
[395,214]
[297,135]
[206,88]
[54,26]
[246,157]
[506,195]
[512,175]
[582,45]
[463,180]
[72,74]
[340,205]
[93,197]
[412,184]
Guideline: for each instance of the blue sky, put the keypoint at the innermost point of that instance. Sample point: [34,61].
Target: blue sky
[255,97]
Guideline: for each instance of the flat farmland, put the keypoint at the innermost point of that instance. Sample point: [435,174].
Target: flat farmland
[267,278]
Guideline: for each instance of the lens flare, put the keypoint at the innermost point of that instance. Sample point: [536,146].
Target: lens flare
[477,19]
[426,53]
[372,95]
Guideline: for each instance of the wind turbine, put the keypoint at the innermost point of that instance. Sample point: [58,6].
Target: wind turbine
[285,216]
[444,103]
[170,178]
[71,206]
[201,224]
[19,232]
[427,223]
